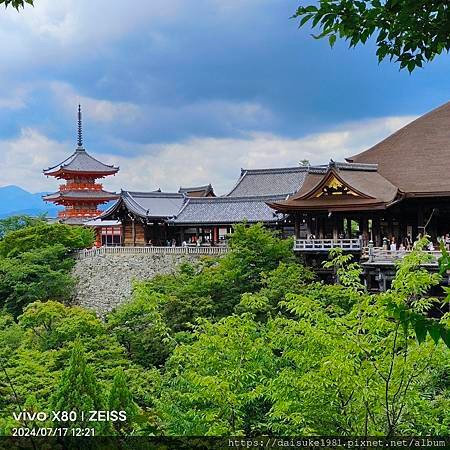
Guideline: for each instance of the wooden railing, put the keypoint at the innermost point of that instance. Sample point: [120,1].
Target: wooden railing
[81,187]
[66,214]
[324,245]
[212,251]
[381,255]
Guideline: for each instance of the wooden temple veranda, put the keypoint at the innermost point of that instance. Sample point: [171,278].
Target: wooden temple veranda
[398,189]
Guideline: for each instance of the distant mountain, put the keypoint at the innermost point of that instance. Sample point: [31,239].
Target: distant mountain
[14,201]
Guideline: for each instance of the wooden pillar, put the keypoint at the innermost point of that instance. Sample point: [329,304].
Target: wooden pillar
[98,237]
[376,230]
[390,228]
[297,226]
[308,226]
[349,227]
[133,232]
[335,227]
[420,221]
[364,228]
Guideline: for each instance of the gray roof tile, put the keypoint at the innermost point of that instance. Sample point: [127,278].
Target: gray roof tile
[81,161]
[269,182]
[149,204]
[226,210]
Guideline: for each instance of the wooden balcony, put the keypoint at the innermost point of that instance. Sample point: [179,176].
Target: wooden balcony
[324,245]
[80,187]
[67,214]
[381,256]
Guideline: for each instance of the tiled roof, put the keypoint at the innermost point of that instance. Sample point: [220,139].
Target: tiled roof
[81,161]
[81,194]
[269,182]
[197,191]
[226,210]
[371,189]
[416,158]
[149,204]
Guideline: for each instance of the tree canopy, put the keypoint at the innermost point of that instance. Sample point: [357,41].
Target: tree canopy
[247,344]
[35,261]
[410,32]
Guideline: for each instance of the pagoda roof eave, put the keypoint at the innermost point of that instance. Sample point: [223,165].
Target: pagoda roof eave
[81,195]
[61,172]
[80,162]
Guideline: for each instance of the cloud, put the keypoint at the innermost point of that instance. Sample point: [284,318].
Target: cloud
[15,100]
[65,28]
[97,110]
[194,161]
[22,159]
[204,160]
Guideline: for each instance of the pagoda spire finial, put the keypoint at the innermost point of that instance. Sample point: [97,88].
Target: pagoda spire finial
[80,129]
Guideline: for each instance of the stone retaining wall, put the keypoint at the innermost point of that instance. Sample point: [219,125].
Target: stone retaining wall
[105,281]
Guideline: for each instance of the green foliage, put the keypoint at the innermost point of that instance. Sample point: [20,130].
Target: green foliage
[408,300]
[45,235]
[348,273]
[120,399]
[140,328]
[14,223]
[17,3]
[325,367]
[408,32]
[35,351]
[51,325]
[78,391]
[212,385]
[213,288]
[255,250]
[327,360]
[247,344]
[35,263]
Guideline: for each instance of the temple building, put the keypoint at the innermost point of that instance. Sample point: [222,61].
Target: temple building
[196,216]
[381,199]
[394,191]
[81,194]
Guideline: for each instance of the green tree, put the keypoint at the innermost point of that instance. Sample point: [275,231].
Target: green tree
[35,264]
[213,386]
[317,364]
[15,223]
[141,329]
[45,235]
[121,400]
[409,32]
[78,391]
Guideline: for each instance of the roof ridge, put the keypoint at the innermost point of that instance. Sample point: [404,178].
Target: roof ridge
[277,169]
[155,194]
[227,199]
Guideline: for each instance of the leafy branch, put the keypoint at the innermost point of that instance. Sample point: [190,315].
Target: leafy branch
[16,3]
[410,32]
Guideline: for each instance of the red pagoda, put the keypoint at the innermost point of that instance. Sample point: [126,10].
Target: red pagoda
[81,195]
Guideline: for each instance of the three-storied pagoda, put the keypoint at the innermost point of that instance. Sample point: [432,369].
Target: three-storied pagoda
[81,195]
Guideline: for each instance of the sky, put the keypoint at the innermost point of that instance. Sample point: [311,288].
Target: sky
[188,92]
